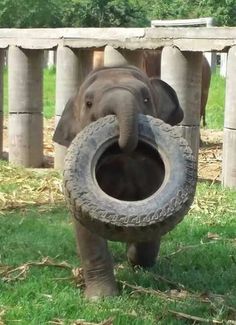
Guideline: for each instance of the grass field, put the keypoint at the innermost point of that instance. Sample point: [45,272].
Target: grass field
[214,110]
[195,275]
[216,102]
[193,282]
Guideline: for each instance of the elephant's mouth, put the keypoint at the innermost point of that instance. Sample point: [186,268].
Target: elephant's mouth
[130,177]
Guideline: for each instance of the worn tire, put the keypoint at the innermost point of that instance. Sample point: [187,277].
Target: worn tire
[124,220]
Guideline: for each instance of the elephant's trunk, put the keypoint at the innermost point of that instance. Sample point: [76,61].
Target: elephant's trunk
[127,116]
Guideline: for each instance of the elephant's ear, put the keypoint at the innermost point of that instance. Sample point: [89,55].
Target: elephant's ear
[68,126]
[168,107]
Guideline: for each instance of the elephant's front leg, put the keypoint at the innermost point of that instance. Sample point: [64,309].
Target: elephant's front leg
[143,254]
[97,264]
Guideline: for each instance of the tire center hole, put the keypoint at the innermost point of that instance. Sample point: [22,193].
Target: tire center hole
[130,177]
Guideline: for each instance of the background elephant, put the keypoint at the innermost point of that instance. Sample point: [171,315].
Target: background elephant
[124,91]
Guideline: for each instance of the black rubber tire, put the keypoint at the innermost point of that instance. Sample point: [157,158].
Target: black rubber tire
[124,220]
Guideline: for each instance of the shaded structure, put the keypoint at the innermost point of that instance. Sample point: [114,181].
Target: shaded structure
[182,50]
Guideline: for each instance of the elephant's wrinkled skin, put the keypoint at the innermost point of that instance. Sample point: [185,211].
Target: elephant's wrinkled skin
[123,91]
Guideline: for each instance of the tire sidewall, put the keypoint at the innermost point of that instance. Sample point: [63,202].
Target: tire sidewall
[117,219]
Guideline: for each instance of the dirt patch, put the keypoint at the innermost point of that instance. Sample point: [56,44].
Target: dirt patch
[210,153]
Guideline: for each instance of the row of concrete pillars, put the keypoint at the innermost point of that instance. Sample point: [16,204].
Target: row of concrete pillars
[182,70]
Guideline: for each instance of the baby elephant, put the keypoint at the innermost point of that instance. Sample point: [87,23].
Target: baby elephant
[124,91]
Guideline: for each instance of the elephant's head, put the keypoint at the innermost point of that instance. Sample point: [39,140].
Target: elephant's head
[123,91]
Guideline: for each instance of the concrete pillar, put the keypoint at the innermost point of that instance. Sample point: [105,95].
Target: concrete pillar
[113,57]
[67,81]
[223,64]
[71,69]
[25,106]
[51,59]
[229,142]
[212,59]
[2,58]
[183,71]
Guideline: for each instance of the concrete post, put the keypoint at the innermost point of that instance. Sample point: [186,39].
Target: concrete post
[211,56]
[229,142]
[2,57]
[71,69]
[223,64]
[51,59]
[212,60]
[67,81]
[183,71]
[113,57]
[25,106]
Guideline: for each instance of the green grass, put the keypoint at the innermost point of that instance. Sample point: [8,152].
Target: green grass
[49,88]
[204,262]
[216,102]
[214,110]
[204,248]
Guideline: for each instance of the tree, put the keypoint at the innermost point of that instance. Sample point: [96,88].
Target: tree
[108,13]
[104,13]
[223,11]
[30,13]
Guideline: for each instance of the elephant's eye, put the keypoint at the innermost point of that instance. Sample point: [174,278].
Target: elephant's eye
[146,100]
[89,104]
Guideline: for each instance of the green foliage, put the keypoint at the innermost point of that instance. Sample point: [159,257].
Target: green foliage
[108,13]
[223,11]
[71,13]
[216,102]
[167,9]
[49,89]
[30,13]
[104,13]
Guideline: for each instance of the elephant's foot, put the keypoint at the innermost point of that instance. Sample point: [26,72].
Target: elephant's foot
[143,254]
[97,264]
[100,287]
